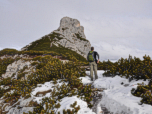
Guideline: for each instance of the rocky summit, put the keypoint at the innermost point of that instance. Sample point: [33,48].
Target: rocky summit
[69,35]
[71,27]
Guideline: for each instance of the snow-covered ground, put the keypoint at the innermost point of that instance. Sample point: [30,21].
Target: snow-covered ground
[117,98]
[65,102]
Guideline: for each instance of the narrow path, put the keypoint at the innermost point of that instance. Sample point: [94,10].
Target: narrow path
[96,99]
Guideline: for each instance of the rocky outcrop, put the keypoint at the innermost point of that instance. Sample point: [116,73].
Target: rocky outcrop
[68,27]
[16,66]
[72,37]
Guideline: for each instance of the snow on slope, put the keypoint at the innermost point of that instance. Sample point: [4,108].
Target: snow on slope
[65,102]
[117,98]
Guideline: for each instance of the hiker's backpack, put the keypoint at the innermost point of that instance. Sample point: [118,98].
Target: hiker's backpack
[91,56]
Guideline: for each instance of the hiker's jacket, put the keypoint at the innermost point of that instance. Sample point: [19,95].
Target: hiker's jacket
[95,53]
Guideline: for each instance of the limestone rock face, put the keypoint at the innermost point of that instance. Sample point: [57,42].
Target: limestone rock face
[16,66]
[72,37]
[69,27]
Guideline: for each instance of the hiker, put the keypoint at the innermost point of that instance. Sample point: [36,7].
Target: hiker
[91,58]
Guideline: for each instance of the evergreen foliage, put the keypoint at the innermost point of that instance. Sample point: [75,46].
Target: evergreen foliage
[132,69]
[47,69]
[8,51]
[51,69]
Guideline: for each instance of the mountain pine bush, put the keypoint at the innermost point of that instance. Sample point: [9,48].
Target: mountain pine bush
[47,69]
[133,69]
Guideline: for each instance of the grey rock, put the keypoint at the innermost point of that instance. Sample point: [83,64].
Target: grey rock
[69,25]
[126,85]
[16,66]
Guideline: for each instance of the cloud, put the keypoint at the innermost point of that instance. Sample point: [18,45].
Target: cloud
[116,27]
[134,32]
[114,52]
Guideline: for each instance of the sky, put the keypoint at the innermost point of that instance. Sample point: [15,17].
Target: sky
[115,28]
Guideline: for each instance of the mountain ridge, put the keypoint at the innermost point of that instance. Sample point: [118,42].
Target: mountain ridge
[69,35]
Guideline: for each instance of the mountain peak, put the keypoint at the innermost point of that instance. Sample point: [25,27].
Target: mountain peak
[70,34]
[67,21]
[69,26]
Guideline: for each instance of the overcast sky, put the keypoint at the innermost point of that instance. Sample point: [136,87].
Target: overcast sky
[116,28]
